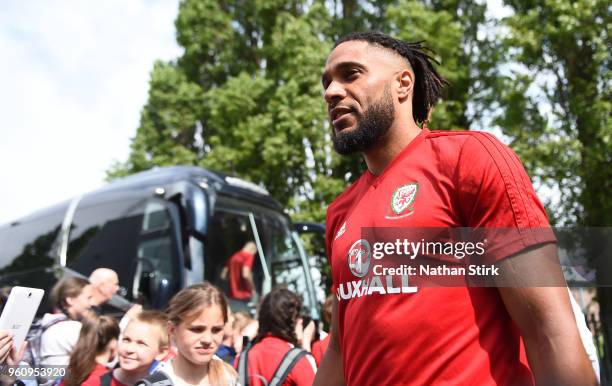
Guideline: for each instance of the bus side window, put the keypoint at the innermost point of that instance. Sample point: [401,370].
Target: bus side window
[106,234]
[28,250]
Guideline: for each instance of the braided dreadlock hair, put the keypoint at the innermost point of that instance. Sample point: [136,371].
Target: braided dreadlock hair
[428,84]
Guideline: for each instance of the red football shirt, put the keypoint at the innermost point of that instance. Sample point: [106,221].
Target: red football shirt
[93,379]
[265,357]
[425,335]
[239,288]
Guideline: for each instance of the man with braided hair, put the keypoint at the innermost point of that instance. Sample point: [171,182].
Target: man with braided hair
[379,92]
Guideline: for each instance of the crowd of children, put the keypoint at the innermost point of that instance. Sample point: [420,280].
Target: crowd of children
[196,341]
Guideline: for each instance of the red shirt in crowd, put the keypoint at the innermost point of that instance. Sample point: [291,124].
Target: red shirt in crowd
[392,334]
[239,287]
[318,349]
[94,377]
[265,357]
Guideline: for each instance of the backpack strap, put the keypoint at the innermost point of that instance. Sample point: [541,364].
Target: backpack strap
[62,318]
[34,341]
[158,378]
[243,368]
[289,361]
[106,379]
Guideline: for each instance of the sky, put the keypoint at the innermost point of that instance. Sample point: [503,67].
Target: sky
[73,78]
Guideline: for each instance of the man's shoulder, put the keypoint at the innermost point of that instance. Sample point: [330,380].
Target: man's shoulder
[458,134]
[460,138]
[470,150]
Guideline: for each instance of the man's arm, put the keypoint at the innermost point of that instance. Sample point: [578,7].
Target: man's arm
[544,317]
[223,274]
[247,275]
[330,372]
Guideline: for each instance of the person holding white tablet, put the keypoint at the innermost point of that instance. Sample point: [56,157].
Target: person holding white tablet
[6,343]
[8,354]
[17,311]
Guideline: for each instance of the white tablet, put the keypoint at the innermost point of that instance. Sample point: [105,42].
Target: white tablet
[19,312]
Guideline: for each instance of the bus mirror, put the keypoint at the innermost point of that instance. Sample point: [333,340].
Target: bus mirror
[195,202]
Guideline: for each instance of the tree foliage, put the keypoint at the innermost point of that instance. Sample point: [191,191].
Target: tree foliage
[245,96]
[564,46]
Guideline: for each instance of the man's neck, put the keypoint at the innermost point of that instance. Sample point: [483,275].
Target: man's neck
[381,155]
[129,377]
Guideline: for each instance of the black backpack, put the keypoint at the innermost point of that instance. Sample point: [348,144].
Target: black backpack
[106,379]
[281,373]
[158,378]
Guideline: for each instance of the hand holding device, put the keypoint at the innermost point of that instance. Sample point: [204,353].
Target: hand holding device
[17,316]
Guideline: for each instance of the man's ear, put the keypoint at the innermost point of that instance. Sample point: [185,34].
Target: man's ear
[405,81]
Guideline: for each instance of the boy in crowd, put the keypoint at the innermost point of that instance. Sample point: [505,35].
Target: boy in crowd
[144,341]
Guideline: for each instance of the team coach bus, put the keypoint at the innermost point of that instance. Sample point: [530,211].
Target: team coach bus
[160,230]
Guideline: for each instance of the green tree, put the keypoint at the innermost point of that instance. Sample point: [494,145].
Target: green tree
[247,90]
[168,123]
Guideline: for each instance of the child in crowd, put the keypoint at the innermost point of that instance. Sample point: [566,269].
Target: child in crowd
[144,341]
[227,351]
[245,330]
[95,348]
[197,316]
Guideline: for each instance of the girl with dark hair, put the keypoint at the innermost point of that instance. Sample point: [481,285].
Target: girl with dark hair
[95,348]
[279,315]
[196,320]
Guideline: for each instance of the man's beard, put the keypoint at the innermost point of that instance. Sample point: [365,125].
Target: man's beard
[372,126]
